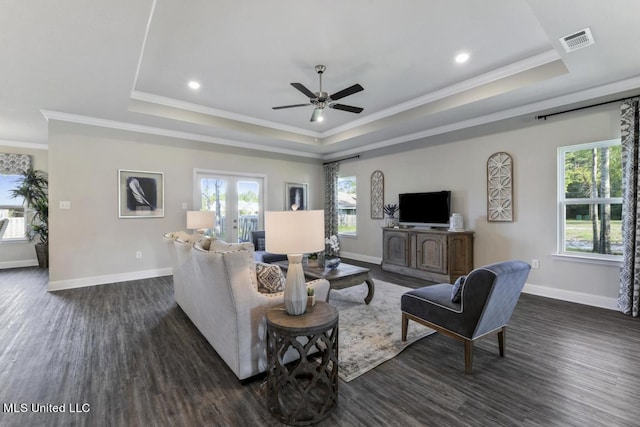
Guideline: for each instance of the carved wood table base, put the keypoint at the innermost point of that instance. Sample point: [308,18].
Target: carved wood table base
[304,391]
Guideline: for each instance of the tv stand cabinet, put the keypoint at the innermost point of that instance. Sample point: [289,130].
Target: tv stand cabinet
[431,254]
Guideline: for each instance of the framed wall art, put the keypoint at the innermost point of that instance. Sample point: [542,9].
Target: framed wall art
[296,196]
[140,194]
[500,188]
[377,195]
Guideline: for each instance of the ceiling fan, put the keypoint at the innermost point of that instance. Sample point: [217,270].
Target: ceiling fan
[322,99]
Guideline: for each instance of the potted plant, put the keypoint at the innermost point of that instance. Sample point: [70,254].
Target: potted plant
[33,187]
[311,297]
[391,210]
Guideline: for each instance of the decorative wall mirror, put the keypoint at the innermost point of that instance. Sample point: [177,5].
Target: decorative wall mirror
[377,195]
[500,188]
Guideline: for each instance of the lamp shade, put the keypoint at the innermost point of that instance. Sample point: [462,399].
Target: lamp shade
[197,220]
[294,232]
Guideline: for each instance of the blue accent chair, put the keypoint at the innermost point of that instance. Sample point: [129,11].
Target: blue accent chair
[487,300]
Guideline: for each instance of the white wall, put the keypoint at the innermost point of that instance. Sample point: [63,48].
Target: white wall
[89,244]
[461,167]
[22,254]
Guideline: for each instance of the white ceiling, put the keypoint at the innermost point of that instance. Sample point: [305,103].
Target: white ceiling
[125,63]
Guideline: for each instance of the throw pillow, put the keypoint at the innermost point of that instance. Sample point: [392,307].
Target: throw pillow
[270,278]
[261,244]
[456,291]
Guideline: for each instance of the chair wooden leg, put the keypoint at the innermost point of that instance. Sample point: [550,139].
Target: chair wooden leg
[405,326]
[501,337]
[468,356]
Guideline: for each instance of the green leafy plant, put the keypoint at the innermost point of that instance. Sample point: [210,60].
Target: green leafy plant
[33,187]
[390,209]
[311,292]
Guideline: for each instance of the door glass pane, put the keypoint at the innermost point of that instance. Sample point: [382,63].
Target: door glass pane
[248,208]
[213,198]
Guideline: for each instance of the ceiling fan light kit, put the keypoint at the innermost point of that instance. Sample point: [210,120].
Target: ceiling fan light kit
[316,116]
[322,99]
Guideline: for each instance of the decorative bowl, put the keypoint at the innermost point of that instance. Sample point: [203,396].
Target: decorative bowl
[332,263]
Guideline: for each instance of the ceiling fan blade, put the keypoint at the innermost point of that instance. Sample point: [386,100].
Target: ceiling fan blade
[348,108]
[290,106]
[304,90]
[346,92]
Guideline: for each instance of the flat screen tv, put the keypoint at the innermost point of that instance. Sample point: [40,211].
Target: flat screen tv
[425,209]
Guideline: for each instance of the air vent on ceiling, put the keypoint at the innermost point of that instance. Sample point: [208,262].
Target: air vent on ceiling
[578,40]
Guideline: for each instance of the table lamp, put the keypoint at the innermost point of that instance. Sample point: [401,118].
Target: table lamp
[294,233]
[200,220]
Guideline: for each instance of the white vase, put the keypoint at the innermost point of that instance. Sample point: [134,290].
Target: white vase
[295,288]
[456,223]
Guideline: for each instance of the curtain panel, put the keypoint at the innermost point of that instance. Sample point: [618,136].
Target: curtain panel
[630,272]
[331,199]
[14,164]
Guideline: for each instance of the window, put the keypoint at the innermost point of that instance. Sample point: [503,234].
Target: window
[12,209]
[590,200]
[347,205]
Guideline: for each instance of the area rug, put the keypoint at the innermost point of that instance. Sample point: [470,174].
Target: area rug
[371,334]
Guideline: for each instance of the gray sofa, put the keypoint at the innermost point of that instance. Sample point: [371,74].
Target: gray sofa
[215,284]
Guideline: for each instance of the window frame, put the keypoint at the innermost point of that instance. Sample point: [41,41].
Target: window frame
[562,203]
[342,233]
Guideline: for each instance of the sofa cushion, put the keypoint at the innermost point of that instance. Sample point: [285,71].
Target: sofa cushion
[270,278]
[214,244]
[260,245]
[268,257]
[456,291]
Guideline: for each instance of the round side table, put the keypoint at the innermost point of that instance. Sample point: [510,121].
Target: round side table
[304,391]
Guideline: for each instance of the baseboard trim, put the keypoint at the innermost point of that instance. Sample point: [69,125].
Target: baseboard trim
[571,296]
[19,264]
[543,291]
[363,258]
[58,285]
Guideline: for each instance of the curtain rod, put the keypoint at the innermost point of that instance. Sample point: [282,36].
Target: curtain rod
[544,116]
[357,156]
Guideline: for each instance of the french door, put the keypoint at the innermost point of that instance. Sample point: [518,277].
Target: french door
[237,200]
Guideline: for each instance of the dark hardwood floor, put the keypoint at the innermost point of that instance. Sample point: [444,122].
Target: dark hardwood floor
[129,355]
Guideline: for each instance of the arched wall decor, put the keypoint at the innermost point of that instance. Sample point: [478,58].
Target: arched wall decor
[500,188]
[377,195]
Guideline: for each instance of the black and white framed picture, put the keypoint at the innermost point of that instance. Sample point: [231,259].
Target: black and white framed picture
[140,194]
[296,196]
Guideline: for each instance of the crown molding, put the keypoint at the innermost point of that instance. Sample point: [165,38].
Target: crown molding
[197,108]
[22,144]
[151,130]
[481,80]
[536,107]
[557,102]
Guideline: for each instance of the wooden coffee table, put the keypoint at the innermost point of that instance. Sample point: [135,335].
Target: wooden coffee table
[344,276]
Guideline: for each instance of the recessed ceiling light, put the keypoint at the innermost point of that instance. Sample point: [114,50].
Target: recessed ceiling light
[194,85]
[462,58]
